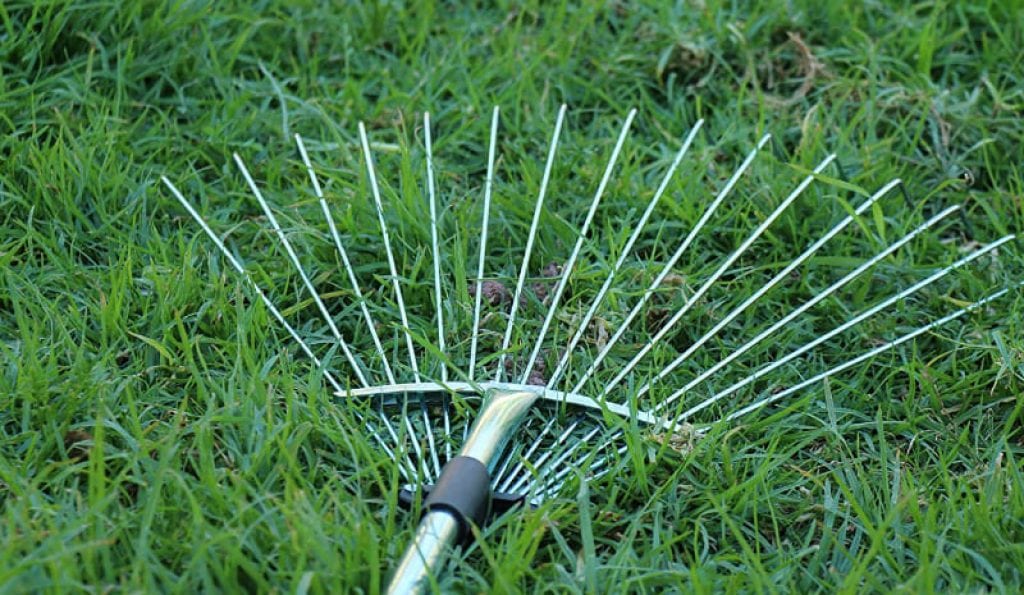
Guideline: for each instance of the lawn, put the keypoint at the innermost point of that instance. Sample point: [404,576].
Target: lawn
[160,430]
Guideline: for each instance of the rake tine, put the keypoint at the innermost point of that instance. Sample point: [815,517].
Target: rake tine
[447,428]
[638,228]
[667,269]
[433,243]
[807,305]
[554,483]
[387,248]
[344,259]
[318,191]
[305,278]
[567,451]
[427,140]
[716,275]
[880,349]
[298,267]
[488,184]
[847,325]
[428,429]
[393,269]
[524,269]
[778,278]
[598,468]
[515,453]
[834,231]
[526,456]
[273,310]
[394,436]
[567,268]
[507,460]
[544,457]
[414,438]
[252,283]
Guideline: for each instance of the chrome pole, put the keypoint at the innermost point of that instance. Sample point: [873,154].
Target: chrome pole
[436,533]
[440,527]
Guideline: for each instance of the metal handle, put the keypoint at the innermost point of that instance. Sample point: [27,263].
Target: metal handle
[498,419]
[436,534]
[494,425]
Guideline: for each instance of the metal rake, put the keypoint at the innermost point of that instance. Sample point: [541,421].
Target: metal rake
[473,429]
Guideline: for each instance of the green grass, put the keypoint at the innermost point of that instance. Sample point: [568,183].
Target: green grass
[158,432]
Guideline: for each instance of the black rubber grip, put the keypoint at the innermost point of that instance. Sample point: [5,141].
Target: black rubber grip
[464,491]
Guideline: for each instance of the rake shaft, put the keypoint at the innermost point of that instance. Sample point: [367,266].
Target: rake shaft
[447,517]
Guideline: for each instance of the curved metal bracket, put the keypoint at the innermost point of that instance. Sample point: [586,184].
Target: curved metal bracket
[481,388]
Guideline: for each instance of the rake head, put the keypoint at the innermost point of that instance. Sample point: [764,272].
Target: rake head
[491,380]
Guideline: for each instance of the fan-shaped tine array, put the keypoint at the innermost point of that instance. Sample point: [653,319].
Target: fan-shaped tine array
[419,428]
